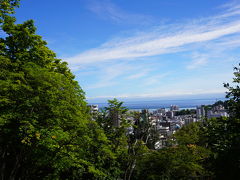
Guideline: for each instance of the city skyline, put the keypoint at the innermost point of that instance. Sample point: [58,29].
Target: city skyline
[142,49]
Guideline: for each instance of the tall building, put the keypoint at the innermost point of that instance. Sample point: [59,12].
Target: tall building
[200,112]
[189,120]
[170,114]
[174,108]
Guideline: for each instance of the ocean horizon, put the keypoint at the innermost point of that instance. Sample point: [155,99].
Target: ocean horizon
[156,104]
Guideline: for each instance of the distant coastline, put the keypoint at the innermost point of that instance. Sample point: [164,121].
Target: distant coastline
[156,104]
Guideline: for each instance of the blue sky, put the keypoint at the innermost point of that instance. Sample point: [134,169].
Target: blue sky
[142,49]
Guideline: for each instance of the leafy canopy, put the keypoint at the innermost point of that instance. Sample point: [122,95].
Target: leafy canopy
[45,131]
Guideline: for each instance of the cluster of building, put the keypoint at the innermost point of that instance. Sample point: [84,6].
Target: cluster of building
[214,112]
[166,121]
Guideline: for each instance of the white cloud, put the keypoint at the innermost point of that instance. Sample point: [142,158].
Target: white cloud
[171,94]
[108,74]
[172,38]
[105,9]
[198,60]
[229,42]
[138,75]
[110,64]
[195,84]
[154,80]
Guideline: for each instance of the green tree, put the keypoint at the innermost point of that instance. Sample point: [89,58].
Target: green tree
[7,7]
[223,134]
[192,133]
[113,120]
[223,139]
[233,94]
[45,131]
[181,162]
[185,112]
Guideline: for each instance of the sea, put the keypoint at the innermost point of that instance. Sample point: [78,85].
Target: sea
[157,104]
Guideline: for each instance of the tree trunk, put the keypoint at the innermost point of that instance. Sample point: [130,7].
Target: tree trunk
[3,164]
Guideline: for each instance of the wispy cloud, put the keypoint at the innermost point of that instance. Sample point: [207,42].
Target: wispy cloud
[154,80]
[105,9]
[153,63]
[198,60]
[109,74]
[137,75]
[171,94]
[171,38]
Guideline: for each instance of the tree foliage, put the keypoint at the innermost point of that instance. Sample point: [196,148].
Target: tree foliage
[45,131]
[208,149]
[7,7]
[233,94]
[223,134]
[192,133]
[181,162]
[185,112]
[113,121]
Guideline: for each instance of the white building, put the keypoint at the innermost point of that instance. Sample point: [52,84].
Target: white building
[216,114]
[93,108]
[200,112]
